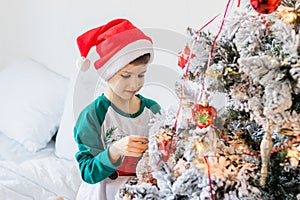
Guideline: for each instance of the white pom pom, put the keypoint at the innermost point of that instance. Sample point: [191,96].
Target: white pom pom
[83,64]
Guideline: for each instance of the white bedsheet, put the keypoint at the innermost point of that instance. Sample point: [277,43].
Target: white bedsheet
[35,176]
[13,151]
[38,179]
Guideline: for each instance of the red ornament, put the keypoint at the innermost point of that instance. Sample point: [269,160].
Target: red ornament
[265,6]
[166,149]
[183,57]
[203,116]
[166,143]
[152,181]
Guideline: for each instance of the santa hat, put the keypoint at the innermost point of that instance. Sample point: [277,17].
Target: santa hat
[117,43]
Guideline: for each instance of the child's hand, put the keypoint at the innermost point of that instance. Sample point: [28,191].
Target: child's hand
[133,145]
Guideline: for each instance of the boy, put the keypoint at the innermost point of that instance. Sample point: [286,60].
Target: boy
[112,131]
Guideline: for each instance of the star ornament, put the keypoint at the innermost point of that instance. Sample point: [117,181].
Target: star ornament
[203,115]
[184,57]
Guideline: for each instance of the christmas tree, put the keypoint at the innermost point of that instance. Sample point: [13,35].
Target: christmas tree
[250,147]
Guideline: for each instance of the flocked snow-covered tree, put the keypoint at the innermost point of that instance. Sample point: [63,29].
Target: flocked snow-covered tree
[248,149]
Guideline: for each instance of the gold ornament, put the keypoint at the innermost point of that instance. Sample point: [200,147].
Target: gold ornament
[293,154]
[288,15]
[266,147]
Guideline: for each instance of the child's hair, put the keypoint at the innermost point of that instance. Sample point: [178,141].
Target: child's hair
[142,60]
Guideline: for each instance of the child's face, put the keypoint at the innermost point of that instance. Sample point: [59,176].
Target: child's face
[128,81]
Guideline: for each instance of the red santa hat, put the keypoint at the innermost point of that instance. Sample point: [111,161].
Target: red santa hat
[117,44]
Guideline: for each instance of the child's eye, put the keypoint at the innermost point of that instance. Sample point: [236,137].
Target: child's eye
[125,76]
[141,75]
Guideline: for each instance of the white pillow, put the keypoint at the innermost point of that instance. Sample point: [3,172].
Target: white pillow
[31,103]
[83,89]
[65,146]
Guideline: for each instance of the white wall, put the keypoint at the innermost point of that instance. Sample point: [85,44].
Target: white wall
[46,30]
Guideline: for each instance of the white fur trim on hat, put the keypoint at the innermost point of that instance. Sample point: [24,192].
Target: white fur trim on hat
[83,63]
[125,56]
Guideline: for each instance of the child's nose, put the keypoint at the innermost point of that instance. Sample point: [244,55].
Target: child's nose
[135,82]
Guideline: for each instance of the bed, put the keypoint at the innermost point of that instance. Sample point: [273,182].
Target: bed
[36,144]
[26,175]
[38,108]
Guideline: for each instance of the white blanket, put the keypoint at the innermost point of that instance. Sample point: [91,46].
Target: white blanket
[39,179]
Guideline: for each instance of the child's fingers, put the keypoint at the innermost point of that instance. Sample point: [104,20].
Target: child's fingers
[137,148]
[140,146]
[135,138]
[137,145]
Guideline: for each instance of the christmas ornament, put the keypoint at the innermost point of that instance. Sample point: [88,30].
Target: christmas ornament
[184,56]
[266,146]
[288,15]
[144,171]
[166,143]
[203,115]
[265,6]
